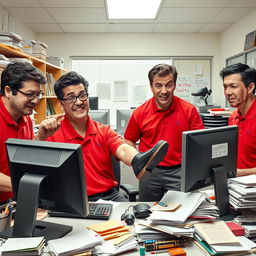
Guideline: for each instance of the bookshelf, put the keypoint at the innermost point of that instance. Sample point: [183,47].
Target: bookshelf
[48,105]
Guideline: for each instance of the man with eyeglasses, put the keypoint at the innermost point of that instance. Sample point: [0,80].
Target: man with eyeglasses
[99,142]
[163,117]
[20,92]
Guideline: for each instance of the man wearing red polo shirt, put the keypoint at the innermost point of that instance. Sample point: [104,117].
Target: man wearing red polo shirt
[239,82]
[99,142]
[20,89]
[163,117]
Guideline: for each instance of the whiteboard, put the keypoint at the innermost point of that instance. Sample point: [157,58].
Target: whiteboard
[193,74]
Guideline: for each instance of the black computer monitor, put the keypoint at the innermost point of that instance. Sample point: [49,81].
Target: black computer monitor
[48,175]
[94,103]
[209,157]
[100,115]
[122,118]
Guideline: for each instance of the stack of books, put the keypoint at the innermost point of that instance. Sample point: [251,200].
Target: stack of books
[217,239]
[242,192]
[28,46]
[39,50]
[23,246]
[11,39]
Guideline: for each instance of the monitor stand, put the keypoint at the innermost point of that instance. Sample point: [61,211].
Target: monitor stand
[25,224]
[221,193]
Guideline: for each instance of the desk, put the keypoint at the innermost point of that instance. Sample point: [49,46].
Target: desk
[80,224]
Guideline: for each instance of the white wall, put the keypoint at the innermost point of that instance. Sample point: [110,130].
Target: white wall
[25,32]
[232,40]
[131,44]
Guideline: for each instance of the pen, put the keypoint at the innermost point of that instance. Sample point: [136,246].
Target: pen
[160,251]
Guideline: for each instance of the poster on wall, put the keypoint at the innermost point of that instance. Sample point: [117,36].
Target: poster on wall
[139,94]
[104,91]
[120,90]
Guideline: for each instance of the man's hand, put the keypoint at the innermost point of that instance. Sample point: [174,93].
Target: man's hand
[49,126]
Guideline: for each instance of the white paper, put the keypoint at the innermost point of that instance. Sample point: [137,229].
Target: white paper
[120,92]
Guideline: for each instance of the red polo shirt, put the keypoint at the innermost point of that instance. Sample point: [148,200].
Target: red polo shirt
[246,154]
[11,129]
[98,144]
[150,124]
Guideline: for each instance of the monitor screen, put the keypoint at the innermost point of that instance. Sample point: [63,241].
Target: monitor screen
[100,115]
[209,157]
[48,175]
[122,118]
[94,103]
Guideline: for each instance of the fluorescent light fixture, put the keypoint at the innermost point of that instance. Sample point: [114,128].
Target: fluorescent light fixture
[132,9]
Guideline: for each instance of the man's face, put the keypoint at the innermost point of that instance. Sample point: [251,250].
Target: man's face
[235,90]
[25,100]
[163,88]
[77,110]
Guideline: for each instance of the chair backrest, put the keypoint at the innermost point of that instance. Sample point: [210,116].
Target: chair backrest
[117,170]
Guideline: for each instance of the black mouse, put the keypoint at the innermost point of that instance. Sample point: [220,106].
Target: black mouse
[141,210]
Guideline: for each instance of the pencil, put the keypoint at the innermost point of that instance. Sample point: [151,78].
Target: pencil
[160,251]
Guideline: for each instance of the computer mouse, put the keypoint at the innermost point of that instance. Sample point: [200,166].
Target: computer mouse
[141,210]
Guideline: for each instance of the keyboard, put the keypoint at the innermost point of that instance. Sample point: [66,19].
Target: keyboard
[100,211]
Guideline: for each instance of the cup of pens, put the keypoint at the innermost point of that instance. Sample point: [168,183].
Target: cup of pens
[6,216]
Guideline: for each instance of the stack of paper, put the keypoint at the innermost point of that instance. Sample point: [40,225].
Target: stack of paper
[11,39]
[193,209]
[23,246]
[242,192]
[75,243]
[248,221]
[217,238]
[118,237]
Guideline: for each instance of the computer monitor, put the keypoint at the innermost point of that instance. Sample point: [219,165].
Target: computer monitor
[48,175]
[209,157]
[94,103]
[122,118]
[100,115]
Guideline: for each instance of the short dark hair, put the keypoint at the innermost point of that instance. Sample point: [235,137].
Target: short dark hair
[248,74]
[162,70]
[71,78]
[17,72]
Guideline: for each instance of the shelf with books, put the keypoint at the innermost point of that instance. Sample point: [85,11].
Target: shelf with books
[52,73]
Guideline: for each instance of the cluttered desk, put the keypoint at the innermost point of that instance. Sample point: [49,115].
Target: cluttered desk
[186,220]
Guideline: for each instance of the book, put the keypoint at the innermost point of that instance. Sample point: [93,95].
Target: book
[23,246]
[237,229]
[216,233]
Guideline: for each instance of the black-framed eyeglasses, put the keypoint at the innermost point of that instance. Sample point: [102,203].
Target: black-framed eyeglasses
[72,99]
[31,96]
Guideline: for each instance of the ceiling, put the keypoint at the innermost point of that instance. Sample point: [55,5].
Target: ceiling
[89,16]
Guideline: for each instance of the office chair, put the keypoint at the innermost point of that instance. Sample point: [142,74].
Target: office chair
[130,190]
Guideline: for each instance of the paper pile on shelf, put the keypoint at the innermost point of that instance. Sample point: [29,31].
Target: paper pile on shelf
[28,46]
[72,243]
[242,192]
[11,39]
[59,62]
[118,238]
[39,50]
[23,246]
